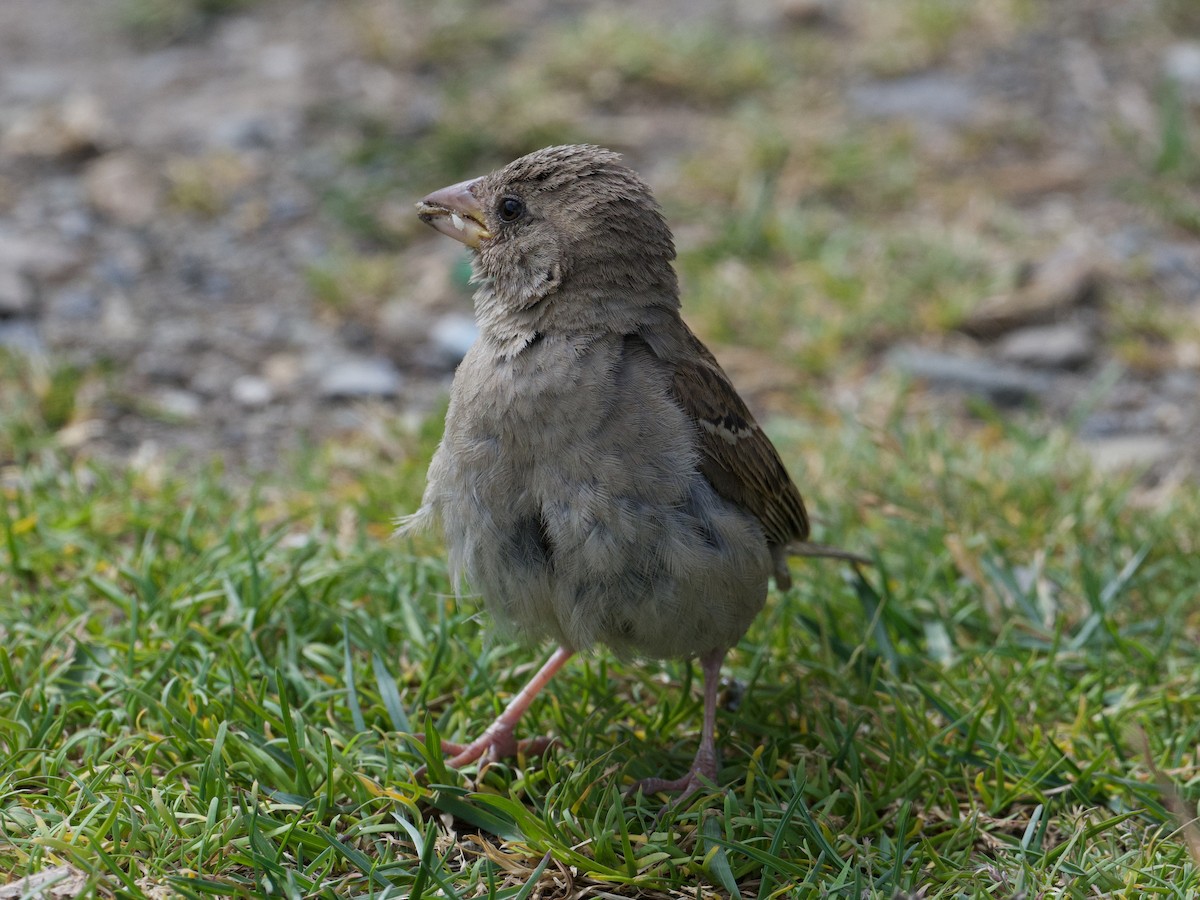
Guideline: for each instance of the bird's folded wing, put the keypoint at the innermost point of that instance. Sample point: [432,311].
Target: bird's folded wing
[737,458]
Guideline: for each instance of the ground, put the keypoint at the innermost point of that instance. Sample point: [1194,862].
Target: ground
[949,252]
[208,232]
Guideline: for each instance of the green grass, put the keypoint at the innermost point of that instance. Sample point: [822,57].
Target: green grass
[211,691]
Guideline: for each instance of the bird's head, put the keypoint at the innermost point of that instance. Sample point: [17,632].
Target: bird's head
[568,217]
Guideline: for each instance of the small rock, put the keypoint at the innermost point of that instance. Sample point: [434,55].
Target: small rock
[16,293]
[1181,64]
[1118,421]
[363,377]
[1001,384]
[23,336]
[1066,346]
[75,126]
[251,130]
[76,224]
[933,97]
[77,434]
[164,363]
[1187,354]
[282,371]
[124,187]
[452,336]
[36,83]
[281,62]
[118,321]
[42,257]
[1181,384]
[212,377]
[1068,278]
[251,392]
[73,303]
[178,404]
[1176,267]
[1129,451]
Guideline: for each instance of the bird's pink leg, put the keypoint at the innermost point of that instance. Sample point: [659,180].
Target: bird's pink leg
[498,742]
[704,766]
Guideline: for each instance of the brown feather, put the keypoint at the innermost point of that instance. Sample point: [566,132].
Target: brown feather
[738,458]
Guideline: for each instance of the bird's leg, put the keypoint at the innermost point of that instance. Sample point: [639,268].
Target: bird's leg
[498,742]
[704,766]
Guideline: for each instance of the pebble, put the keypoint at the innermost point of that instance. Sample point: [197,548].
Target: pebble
[75,224]
[1129,451]
[933,97]
[1069,345]
[34,83]
[74,303]
[1176,266]
[165,364]
[124,187]
[118,321]
[1004,385]
[73,126]
[251,392]
[1181,384]
[23,336]
[1181,64]
[42,257]
[282,371]
[178,403]
[360,377]
[17,296]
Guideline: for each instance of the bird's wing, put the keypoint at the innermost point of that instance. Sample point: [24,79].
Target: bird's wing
[737,458]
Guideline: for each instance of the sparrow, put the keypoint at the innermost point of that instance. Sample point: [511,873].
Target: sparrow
[599,481]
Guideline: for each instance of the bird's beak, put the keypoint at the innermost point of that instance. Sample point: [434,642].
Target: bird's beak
[455,212]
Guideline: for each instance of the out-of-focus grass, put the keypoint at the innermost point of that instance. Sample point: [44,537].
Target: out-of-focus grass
[37,397]
[348,282]
[605,56]
[811,232]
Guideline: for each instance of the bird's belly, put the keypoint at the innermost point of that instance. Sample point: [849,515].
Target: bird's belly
[585,519]
[579,554]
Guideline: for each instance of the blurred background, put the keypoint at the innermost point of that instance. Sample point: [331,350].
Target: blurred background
[979,211]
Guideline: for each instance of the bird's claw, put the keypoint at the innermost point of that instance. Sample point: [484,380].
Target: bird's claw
[702,774]
[493,745]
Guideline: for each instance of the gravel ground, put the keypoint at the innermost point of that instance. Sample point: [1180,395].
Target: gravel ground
[162,208]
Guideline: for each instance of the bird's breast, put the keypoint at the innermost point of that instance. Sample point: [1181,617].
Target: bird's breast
[574,504]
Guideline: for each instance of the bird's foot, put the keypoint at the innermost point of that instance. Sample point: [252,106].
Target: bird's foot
[496,743]
[703,773]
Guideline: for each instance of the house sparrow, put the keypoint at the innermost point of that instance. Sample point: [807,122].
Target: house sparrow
[600,481]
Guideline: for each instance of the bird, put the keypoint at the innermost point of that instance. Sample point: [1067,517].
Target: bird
[599,480]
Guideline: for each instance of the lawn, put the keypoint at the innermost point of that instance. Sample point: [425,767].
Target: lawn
[212,689]
[219,684]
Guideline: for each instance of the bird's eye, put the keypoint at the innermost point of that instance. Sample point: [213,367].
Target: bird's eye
[510,209]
